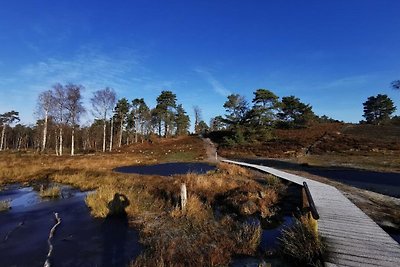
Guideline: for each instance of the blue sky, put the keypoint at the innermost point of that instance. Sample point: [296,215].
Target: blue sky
[331,54]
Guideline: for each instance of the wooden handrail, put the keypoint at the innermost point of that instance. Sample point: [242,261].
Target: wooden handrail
[311,204]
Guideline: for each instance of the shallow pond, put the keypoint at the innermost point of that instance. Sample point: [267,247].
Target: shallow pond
[79,240]
[269,246]
[167,169]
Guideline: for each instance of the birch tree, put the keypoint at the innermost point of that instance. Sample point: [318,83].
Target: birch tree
[59,100]
[103,101]
[74,109]
[45,104]
[197,118]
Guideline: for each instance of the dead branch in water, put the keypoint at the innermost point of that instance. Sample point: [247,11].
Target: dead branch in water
[53,229]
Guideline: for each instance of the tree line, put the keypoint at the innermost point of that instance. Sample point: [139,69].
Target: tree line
[120,121]
[117,121]
[244,122]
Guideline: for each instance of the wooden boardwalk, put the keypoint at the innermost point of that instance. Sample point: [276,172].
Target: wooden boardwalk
[352,238]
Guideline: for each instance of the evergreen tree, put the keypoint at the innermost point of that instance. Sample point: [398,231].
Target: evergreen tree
[294,113]
[166,103]
[203,127]
[139,116]
[237,108]
[378,109]
[182,121]
[5,120]
[120,112]
[265,106]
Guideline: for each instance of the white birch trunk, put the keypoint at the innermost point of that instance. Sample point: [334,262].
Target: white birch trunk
[73,141]
[120,133]
[111,134]
[104,136]
[60,150]
[45,131]
[56,137]
[3,132]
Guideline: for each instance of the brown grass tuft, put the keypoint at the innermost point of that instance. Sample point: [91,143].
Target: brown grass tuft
[302,244]
[50,192]
[5,205]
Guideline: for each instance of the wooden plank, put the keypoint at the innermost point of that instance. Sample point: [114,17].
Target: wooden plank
[353,239]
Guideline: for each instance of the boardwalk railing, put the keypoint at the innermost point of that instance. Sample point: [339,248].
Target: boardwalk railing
[352,238]
[310,202]
[309,206]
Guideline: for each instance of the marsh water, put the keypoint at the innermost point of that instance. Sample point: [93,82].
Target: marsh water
[167,169]
[80,240]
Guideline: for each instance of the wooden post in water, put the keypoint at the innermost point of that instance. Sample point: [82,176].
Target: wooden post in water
[183,196]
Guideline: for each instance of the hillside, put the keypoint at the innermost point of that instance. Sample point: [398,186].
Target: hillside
[373,146]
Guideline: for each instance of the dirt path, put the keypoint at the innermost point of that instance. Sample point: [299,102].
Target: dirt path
[211,151]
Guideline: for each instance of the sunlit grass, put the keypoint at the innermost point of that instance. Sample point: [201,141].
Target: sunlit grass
[171,236]
[50,192]
[5,205]
[302,244]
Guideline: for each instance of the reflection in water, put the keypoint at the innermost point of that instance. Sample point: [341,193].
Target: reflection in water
[80,240]
[167,169]
[114,230]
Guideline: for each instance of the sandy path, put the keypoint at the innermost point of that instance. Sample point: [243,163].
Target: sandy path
[211,151]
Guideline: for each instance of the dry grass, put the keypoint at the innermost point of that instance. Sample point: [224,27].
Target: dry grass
[171,237]
[374,161]
[50,192]
[301,244]
[5,205]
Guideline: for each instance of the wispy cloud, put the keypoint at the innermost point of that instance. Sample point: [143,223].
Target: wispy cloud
[216,85]
[348,82]
[93,69]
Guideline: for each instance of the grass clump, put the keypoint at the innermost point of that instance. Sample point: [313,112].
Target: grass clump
[301,244]
[98,201]
[192,237]
[5,205]
[50,192]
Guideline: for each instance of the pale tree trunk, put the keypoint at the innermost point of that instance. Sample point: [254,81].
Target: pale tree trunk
[56,141]
[136,133]
[3,132]
[73,141]
[120,134]
[45,132]
[111,134]
[104,136]
[61,142]
[19,143]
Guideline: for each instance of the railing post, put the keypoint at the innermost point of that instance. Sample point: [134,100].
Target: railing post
[309,206]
